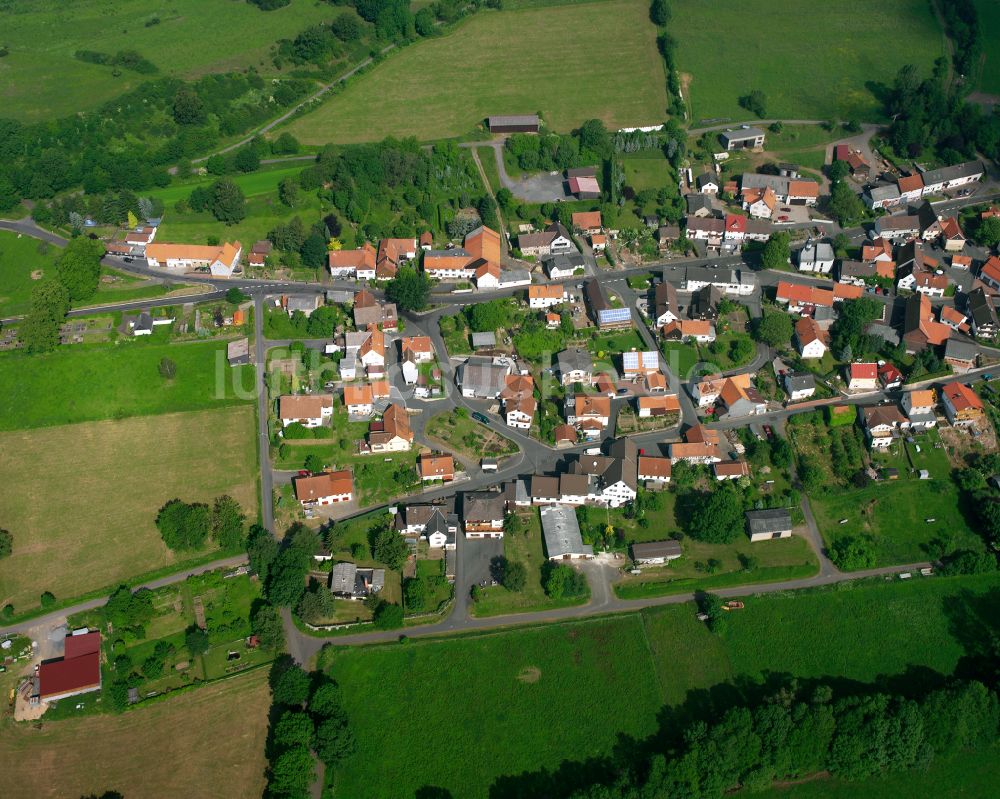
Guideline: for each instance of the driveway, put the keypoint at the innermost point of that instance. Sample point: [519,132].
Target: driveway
[476,556]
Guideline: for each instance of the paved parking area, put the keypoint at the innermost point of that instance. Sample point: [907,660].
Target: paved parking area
[476,556]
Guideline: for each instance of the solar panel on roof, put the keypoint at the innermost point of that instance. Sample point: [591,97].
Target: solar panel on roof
[615,315]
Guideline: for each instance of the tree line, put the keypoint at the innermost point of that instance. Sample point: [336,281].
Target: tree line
[797,733]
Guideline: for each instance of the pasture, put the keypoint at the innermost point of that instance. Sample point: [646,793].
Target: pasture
[989,22]
[207,742]
[81,500]
[818,65]
[537,695]
[82,383]
[444,87]
[568,692]
[188,41]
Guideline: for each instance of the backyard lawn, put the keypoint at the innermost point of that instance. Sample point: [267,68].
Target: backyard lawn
[843,60]
[81,500]
[43,35]
[84,382]
[207,742]
[896,513]
[647,170]
[527,548]
[416,92]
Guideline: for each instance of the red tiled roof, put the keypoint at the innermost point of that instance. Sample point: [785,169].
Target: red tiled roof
[864,371]
[911,183]
[86,644]
[962,397]
[736,223]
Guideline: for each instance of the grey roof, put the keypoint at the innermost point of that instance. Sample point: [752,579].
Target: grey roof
[856,269]
[299,303]
[482,376]
[773,520]
[885,332]
[892,223]
[657,549]
[980,308]
[816,251]
[742,133]
[339,296]
[515,276]
[564,261]
[696,202]
[562,532]
[594,294]
[705,303]
[143,322]
[960,349]
[719,276]
[454,252]
[575,360]
[240,348]
[487,339]
[483,506]
[948,173]
[582,172]
[883,191]
[342,578]
[799,381]
[706,178]
[755,180]
[513,119]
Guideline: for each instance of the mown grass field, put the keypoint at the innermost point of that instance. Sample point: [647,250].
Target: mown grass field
[81,500]
[253,184]
[533,697]
[207,742]
[597,680]
[81,382]
[813,65]
[989,22]
[607,67]
[40,79]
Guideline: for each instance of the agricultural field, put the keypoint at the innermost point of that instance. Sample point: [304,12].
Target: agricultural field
[208,742]
[539,695]
[817,66]
[82,383]
[445,87]
[81,499]
[557,692]
[43,35]
[524,547]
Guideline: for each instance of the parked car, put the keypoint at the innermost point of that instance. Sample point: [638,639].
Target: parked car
[480,417]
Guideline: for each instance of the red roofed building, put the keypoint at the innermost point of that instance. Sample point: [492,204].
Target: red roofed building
[890,377]
[989,273]
[736,227]
[862,377]
[77,672]
[961,405]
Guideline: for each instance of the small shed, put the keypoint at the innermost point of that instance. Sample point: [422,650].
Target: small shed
[484,341]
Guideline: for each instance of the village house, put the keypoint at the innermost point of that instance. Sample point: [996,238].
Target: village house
[656,553]
[450,264]
[326,488]
[730,470]
[359,400]
[348,581]
[760,203]
[878,251]
[587,222]
[919,409]
[222,260]
[811,340]
[563,265]
[700,447]
[707,183]
[962,405]
[934,181]
[665,306]
[392,433]
[989,272]
[419,349]
[540,297]
[639,363]
[698,330]
[897,228]
[588,413]
[555,239]
[658,405]
[816,257]
[308,410]
[518,401]
[436,467]
[701,206]
[765,525]
[800,385]
[436,523]
[960,355]
[653,469]
[982,313]
[856,273]
[369,312]
[613,477]
[483,514]
[584,187]
[881,195]
[358,264]
[575,366]
[481,378]
[806,299]
[393,253]
[739,282]
[882,424]
[862,377]
[602,313]
[920,329]
[856,163]
[598,242]
[890,377]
